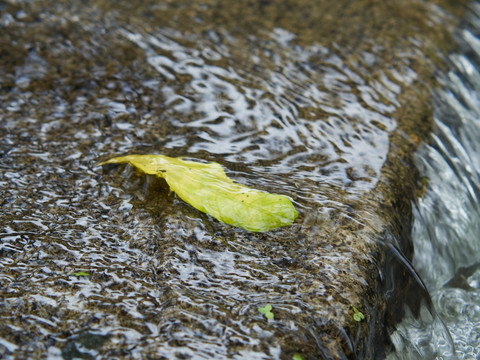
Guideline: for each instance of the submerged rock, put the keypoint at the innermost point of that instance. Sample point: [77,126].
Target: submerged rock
[324,103]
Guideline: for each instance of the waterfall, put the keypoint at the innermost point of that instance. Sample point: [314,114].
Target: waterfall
[447,218]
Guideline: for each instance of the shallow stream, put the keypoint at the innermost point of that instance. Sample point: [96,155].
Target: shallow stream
[303,99]
[447,219]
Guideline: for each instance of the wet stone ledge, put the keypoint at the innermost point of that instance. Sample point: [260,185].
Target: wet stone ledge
[324,103]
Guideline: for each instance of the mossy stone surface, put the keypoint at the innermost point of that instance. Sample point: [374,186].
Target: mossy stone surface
[321,101]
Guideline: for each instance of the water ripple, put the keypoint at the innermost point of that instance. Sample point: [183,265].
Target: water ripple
[109,264]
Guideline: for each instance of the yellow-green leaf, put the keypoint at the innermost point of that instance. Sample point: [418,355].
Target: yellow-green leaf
[206,187]
[80,273]
[357,315]
[267,311]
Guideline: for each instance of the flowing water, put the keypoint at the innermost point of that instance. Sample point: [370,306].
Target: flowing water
[447,219]
[287,104]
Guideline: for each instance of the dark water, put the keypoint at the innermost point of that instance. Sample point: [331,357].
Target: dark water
[293,102]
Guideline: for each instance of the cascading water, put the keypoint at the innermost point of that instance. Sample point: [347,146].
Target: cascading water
[447,218]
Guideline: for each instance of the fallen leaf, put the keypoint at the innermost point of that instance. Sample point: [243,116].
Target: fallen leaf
[206,187]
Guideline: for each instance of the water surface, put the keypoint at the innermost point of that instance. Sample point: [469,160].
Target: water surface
[293,102]
[446,229]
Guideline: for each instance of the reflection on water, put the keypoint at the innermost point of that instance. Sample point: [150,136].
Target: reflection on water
[310,120]
[280,108]
[447,218]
